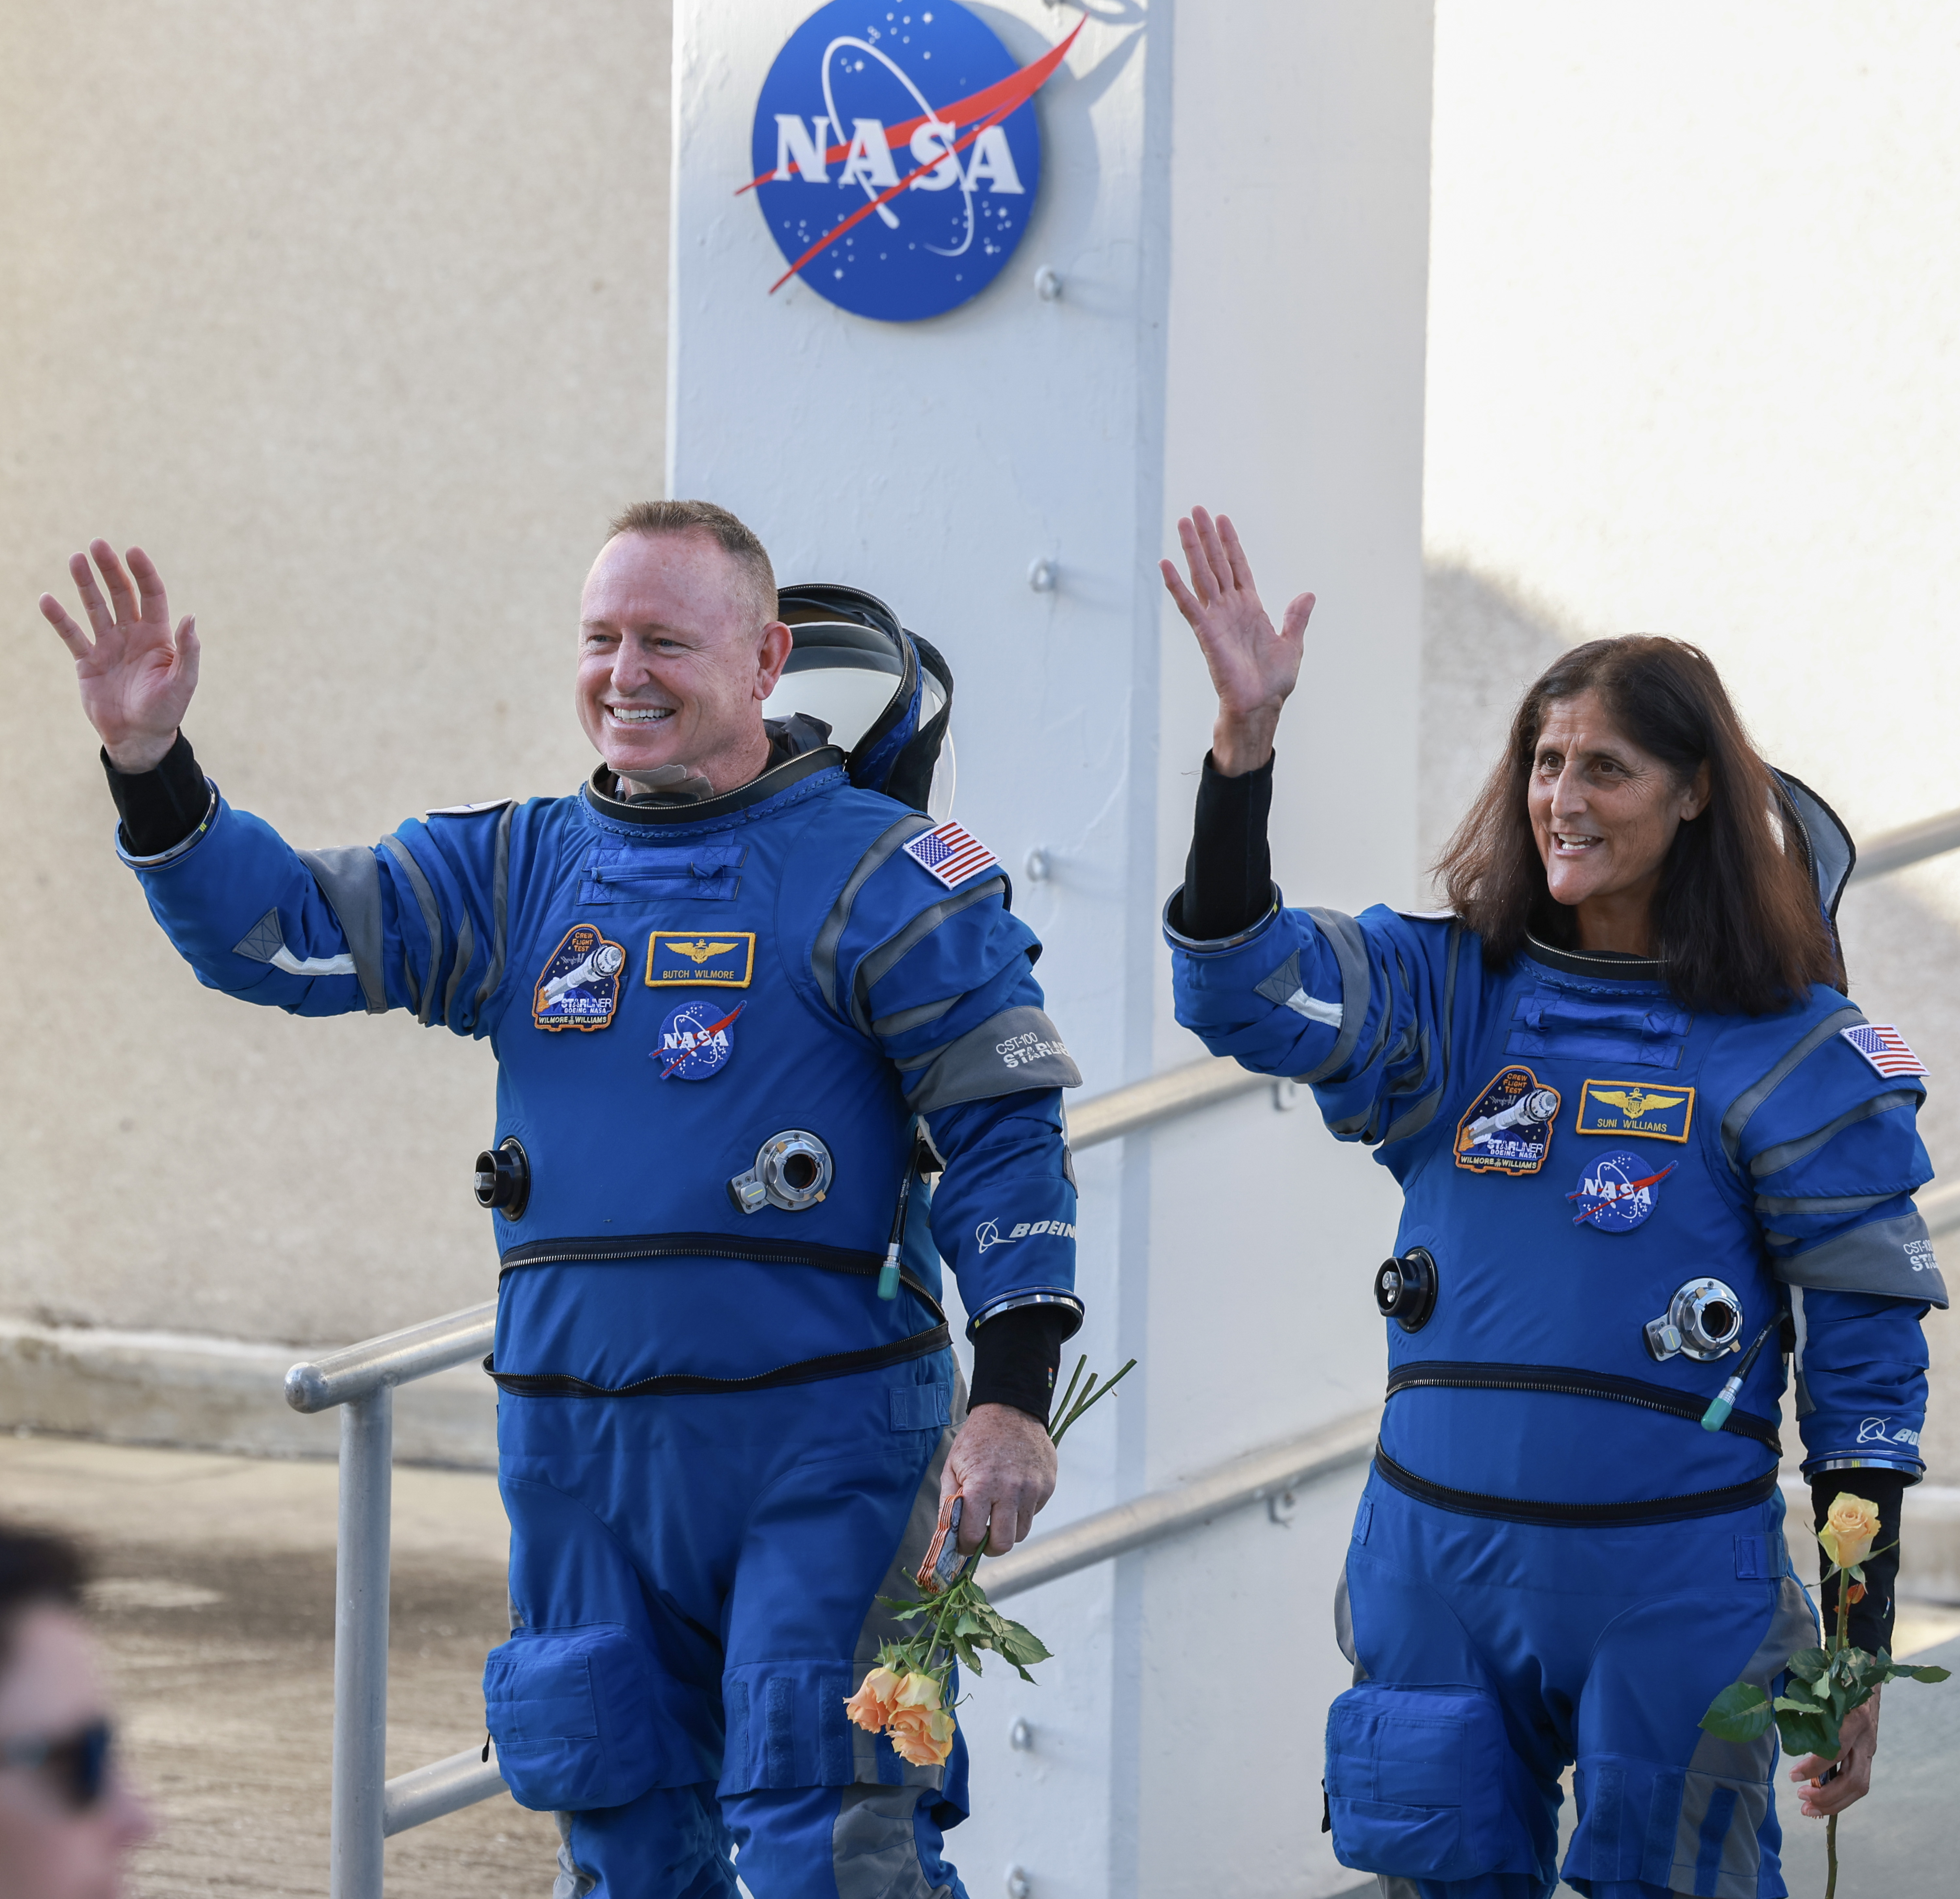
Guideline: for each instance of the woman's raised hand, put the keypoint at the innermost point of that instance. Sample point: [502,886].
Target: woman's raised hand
[1253,668]
[136,677]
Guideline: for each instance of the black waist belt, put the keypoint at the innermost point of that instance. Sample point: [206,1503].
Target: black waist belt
[1473,1503]
[1573,1383]
[721,1246]
[601,1246]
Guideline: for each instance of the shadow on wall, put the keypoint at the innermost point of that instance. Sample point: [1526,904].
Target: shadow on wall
[1484,642]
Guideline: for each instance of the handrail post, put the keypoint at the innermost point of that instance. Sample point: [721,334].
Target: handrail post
[361,1643]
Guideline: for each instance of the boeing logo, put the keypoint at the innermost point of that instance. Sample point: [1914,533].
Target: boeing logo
[897,158]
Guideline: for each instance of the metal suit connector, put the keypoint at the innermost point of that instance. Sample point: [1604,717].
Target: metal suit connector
[792,1171]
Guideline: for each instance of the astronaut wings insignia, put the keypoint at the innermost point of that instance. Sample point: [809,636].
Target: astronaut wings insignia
[724,961]
[1621,1108]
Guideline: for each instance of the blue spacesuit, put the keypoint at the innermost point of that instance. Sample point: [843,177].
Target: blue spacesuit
[717,1025]
[1607,1199]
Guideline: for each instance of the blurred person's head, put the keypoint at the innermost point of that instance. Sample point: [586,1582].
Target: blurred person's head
[68,1820]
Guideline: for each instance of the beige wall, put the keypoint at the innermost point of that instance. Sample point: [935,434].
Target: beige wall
[355,318]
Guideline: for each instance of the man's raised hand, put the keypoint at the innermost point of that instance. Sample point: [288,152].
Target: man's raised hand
[1253,668]
[136,677]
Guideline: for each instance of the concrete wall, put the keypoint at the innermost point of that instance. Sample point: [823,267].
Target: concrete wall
[355,317]
[1692,370]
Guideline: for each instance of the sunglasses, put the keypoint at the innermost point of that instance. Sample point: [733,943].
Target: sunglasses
[77,1764]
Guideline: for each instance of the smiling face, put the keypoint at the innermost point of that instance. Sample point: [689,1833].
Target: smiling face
[675,655]
[49,1848]
[1604,812]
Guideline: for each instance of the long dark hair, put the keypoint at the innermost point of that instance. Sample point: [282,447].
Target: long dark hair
[1737,919]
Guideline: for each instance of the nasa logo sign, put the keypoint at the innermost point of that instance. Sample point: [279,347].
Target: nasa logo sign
[896,154]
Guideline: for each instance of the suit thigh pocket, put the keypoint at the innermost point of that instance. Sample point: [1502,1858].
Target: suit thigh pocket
[574,1714]
[1416,1783]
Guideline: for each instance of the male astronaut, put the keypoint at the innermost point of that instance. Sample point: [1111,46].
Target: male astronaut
[721,992]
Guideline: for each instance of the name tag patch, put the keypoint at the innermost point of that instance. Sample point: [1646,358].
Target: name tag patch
[1625,1108]
[720,959]
[1508,1129]
[579,987]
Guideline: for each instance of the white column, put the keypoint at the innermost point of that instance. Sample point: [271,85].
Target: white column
[1234,200]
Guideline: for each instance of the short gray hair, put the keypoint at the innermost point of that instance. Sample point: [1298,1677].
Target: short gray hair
[733,537]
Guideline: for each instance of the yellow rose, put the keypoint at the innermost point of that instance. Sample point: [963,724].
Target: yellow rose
[1850,1527]
[921,1729]
[871,1706]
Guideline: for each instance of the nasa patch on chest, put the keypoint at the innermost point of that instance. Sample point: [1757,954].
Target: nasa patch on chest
[1508,1129]
[1618,1191]
[696,1041]
[579,987]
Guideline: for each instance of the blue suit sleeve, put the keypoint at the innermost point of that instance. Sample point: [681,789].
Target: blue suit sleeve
[1357,1008]
[415,922]
[945,982]
[1832,1156]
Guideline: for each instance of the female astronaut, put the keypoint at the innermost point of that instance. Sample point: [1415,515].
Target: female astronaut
[1646,1145]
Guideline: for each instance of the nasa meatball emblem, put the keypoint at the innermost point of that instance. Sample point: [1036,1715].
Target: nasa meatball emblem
[896,155]
[696,1041]
[1618,1191]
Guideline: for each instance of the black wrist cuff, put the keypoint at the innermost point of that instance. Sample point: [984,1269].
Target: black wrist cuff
[1870,1624]
[160,808]
[1016,1355]
[1228,878]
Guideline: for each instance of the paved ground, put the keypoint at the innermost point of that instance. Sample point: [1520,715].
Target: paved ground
[217,1606]
[216,1603]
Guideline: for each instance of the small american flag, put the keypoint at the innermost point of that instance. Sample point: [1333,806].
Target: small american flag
[1885,1048]
[950,854]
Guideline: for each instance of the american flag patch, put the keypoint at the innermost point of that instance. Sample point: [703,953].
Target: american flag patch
[1885,1048]
[950,854]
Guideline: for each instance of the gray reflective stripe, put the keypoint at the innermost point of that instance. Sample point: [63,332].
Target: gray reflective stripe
[1283,986]
[1394,1886]
[873,1851]
[1773,1160]
[880,962]
[500,903]
[881,1625]
[911,1018]
[265,942]
[1754,1096]
[349,876]
[1890,1258]
[466,948]
[1420,1116]
[1771,1203]
[1016,1050]
[425,902]
[1343,1621]
[1351,951]
[1743,1768]
[823,956]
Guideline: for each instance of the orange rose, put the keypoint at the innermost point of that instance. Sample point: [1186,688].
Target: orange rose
[921,1729]
[871,1706]
[1850,1527]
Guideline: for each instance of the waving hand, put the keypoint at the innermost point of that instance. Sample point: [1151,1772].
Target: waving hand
[136,677]
[1253,668]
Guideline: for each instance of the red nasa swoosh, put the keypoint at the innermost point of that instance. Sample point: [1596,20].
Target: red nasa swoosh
[993,103]
[706,1035]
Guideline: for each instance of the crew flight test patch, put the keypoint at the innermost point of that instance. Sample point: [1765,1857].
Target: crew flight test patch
[579,987]
[724,959]
[1508,1128]
[1634,1108]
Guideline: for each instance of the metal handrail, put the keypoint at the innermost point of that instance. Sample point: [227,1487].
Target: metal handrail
[1910,844]
[395,1358]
